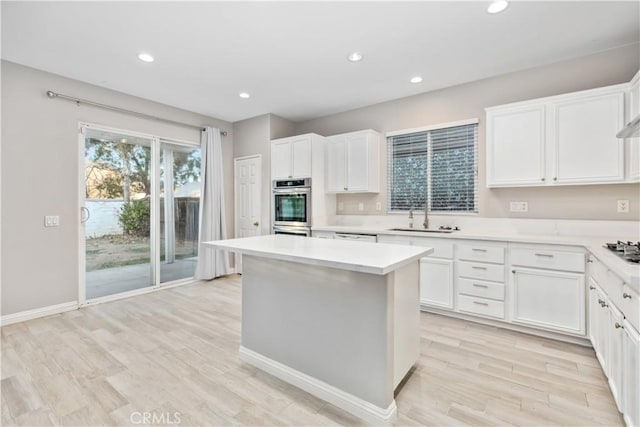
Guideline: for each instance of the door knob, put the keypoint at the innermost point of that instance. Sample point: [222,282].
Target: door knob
[255,224]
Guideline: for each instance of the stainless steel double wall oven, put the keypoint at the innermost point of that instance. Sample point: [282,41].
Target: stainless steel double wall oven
[291,207]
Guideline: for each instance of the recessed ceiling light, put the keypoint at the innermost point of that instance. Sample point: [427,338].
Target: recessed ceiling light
[244,95]
[497,6]
[355,57]
[145,57]
[416,79]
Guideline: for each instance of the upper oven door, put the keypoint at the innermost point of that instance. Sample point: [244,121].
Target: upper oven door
[292,207]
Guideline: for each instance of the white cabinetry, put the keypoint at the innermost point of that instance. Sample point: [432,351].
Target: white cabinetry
[480,267]
[630,375]
[353,162]
[291,157]
[562,140]
[544,297]
[322,234]
[584,139]
[515,155]
[633,144]
[612,309]
[436,270]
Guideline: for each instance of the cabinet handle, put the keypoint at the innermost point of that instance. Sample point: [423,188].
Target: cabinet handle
[545,255]
[600,301]
[626,295]
[477,285]
[555,178]
[589,260]
[592,287]
[513,271]
[619,326]
[345,188]
[542,179]
[481,303]
[475,267]
[290,176]
[478,250]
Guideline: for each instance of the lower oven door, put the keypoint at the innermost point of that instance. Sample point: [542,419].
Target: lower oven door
[292,231]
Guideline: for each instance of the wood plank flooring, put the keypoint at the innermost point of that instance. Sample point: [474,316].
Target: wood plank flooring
[173,355]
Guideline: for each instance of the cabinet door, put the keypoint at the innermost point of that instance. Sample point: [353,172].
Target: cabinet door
[336,164]
[436,282]
[515,147]
[357,163]
[616,333]
[634,143]
[301,157]
[584,139]
[602,331]
[549,299]
[281,160]
[593,313]
[630,375]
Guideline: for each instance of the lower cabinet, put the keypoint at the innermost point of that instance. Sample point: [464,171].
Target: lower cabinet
[549,299]
[630,374]
[615,330]
[436,282]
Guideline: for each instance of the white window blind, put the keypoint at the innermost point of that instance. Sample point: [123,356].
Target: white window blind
[437,165]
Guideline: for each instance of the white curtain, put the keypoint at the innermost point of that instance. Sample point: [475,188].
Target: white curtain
[212,263]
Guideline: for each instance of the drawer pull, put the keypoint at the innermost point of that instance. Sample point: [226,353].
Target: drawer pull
[481,303]
[592,287]
[478,250]
[626,295]
[545,255]
[476,267]
[600,301]
[619,326]
[477,285]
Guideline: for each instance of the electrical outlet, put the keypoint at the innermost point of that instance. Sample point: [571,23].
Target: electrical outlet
[340,206]
[623,206]
[378,206]
[51,221]
[518,207]
[360,206]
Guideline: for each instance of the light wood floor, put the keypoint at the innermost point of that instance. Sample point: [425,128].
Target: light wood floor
[176,351]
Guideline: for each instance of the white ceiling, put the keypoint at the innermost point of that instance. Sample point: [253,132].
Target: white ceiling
[291,56]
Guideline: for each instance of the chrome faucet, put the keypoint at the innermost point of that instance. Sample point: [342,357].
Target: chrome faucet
[425,224]
[411,217]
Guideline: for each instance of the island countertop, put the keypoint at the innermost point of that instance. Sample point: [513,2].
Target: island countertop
[365,257]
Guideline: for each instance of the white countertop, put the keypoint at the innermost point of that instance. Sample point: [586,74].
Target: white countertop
[628,272]
[346,255]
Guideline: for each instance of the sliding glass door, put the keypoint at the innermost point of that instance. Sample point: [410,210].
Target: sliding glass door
[179,210]
[140,205]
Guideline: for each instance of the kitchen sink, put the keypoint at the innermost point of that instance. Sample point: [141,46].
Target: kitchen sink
[422,230]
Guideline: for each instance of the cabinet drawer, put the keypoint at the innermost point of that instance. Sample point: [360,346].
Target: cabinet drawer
[480,288]
[480,252]
[478,270]
[631,306]
[441,249]
[548,259]
[482,306]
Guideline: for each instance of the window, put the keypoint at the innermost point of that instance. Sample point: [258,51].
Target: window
[437,165]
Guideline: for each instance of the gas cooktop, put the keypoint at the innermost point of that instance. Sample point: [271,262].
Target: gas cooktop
[628,251]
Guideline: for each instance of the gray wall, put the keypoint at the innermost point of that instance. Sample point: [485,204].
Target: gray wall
[41,172]
[253,136]
[468,101]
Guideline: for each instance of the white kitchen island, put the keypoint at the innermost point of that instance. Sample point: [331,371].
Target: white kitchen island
[339,319]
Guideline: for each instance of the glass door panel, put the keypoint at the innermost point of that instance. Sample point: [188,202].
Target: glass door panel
[117,213]
[179,210]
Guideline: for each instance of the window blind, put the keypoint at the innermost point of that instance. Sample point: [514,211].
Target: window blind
[437,165]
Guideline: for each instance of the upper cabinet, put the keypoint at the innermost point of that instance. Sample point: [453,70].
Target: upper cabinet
[633,144]
[291,157]
[562,140]
[353,162]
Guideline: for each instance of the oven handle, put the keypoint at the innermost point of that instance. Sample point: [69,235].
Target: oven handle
[291,190]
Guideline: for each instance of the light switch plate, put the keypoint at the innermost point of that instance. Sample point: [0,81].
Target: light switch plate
[360,206]
[51,221]
[378,206]
[340,206]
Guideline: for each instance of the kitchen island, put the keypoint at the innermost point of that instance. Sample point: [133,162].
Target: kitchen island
[338,319]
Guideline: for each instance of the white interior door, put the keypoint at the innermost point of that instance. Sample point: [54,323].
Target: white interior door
[248,209]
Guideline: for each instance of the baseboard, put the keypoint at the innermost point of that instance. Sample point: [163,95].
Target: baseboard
[370,413]
[38,312]
[583,341]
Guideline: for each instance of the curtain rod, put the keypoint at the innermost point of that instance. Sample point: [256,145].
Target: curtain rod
[79,101]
